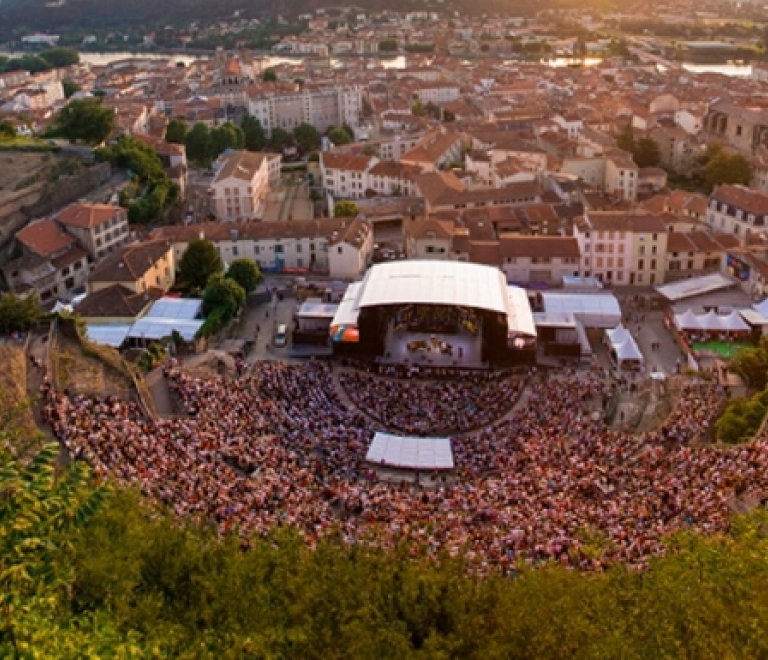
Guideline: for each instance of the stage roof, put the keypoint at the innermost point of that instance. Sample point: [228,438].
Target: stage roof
[414,453]
[431,282]
[519,314]
[695,286]
[315,308]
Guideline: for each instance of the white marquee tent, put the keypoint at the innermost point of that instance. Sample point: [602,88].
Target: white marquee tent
[410,453]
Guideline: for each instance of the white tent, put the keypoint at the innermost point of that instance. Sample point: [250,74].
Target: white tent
[711,321]
[628,351]
[687,321]
[617,335]
[734,323]
[762,307]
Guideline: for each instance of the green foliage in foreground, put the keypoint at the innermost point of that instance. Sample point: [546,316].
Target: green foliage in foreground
[121,580]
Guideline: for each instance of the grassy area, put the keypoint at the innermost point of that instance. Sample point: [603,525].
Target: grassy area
[27,144]
[724,349]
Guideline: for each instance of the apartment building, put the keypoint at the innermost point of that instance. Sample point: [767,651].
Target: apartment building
[138,267]
[98,228]
[621,175]
[240,186]
[320,107]
[543,259]
[339,247]
[691,254]
[345,175]
[622,248]
[738,211]
[51,262]
[435,152]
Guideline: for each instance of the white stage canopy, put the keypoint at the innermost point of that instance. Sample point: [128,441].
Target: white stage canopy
[152,329]
[594,310]
[519,314]
[176,308]
[762,307]
[623,344]
[348,311]
[695,286]
[711,322]
[428,282]
[397,451]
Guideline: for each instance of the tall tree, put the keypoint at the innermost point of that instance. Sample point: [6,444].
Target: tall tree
[255,138]
[339,136]
[246,273]
[226,136]
[270,75]
[280,139]
[727,168]
[307,137]
[198,143]
[224,294]
[646,152]
[199,263]
[626,139]
[176,131]
[86,120]
[345,208]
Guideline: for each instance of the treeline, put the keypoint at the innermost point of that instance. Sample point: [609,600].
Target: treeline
[54,58]
[93,573]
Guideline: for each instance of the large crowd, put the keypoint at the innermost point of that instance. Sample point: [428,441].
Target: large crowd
[550,482]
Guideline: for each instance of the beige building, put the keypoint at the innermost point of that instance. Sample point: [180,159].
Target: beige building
[240,186]
[429,239]
[139,267]
[51,263]
[696,253]
[621,175]
[539,258]
[98,228]
[622,248]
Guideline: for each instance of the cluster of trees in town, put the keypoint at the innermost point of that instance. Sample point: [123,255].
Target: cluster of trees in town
[18,312]
[224,293]
[744,415]
[89,570]
[204,144]
[151,192]
[53,58]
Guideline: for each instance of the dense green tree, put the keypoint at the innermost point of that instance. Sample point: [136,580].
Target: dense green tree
[60,57]
[727,168]
[626,139]
[176,131]
[345,208]
[199,263]
[280,139]
[31,63]
[742,418]
[198,143]
[226,136]
[646,152]
[246,273]
[270,75]
[417,109]
[752,365]
[7,130]
[224,294]
[85,120]
[339,136]
[255,138]
[18,312]
[307,137]
[388,46]
[70,88]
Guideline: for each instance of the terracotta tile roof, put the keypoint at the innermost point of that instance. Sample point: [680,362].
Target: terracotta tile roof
[608,221]
[130,262]
[114,301]
[539,246]
[240,165]
[45,238]
[749,200]
[419,229]
[485,252]
[345,161]
[395,169]
[87,216]
[432,148]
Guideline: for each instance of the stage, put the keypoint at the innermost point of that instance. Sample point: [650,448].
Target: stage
[460,349]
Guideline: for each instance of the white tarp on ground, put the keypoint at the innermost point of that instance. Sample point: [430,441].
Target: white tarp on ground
[110,334]
[408,452]
[432,282]
[594,310]
[695,286]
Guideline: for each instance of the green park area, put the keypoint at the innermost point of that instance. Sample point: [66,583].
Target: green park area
[723,349]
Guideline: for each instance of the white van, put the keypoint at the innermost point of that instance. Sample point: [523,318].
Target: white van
[281,335]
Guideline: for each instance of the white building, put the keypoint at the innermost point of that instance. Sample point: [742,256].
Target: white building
[241,184]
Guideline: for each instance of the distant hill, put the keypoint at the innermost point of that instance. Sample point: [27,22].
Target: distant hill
[20,17]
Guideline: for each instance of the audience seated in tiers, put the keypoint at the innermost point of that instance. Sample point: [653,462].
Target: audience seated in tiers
[277,447]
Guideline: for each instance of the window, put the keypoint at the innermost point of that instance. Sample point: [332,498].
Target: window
[639,278]
[256,249]
[278,249]
[65,271]
[655,237]
[653,249]
[642,249]
[98,242]
[641,264]
[298,247]
[341,251]
[234,251]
